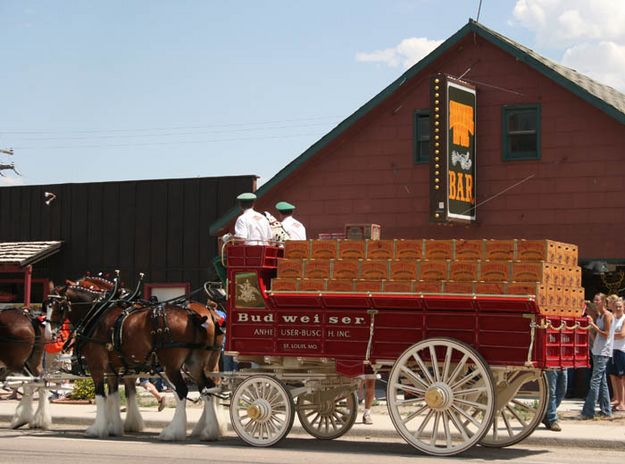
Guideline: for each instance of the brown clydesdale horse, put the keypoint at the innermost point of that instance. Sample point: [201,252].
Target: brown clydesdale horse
[21,352]
[124,338]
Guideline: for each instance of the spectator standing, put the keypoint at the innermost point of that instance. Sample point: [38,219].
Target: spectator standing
[617,366]
[292,226]
[251,226]
[369,385]
[556,380]
[601,354]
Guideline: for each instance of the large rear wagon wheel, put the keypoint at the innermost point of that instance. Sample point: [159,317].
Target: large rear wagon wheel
[441,396]
[326,414]
[261,410]
[520,403]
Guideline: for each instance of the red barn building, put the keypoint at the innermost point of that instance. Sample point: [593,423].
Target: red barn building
[550,150]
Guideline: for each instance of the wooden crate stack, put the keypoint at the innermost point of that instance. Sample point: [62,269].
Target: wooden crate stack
[543,268]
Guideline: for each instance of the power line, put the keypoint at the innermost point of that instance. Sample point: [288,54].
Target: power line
[165,134]
[169,128]
[178,142]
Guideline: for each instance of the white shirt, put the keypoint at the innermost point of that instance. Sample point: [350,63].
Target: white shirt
[296,229]
[253,227]
[619,343]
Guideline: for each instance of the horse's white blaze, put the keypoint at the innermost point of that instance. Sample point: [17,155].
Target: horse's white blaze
[134,421]
[115,424]
[100,427]
[24,412]
[177,428]
[42,419]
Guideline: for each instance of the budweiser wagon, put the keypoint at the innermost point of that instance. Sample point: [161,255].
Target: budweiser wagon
[464,329]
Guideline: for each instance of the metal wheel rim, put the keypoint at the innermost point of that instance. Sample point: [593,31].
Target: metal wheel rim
[519,417]
[327,422]
[441,396]
[268,399]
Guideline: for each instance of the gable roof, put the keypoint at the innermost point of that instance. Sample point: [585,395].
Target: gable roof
[25,253]
[603,97]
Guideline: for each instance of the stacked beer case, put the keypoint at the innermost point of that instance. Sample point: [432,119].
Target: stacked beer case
[544,269]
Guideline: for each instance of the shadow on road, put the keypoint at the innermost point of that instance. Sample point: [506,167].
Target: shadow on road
[355,446]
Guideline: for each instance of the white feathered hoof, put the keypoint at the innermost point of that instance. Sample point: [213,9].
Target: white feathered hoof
[177,428]
[115,424]
[24,411]
[100,428]
[209,427]
[134,421]
[42,418]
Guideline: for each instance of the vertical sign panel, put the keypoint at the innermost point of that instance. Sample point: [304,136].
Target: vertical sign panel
[453,166]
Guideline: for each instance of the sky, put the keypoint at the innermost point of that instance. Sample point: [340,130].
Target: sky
[153,89]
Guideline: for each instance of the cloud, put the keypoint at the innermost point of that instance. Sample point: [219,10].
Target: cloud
[603,61]
[590,33]
[563,23]
[406,53]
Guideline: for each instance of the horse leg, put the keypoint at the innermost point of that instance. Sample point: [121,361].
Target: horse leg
[176,430]
[100,427]
[42,419]
[115,424]
[134,421]
[208,428]
[24,412]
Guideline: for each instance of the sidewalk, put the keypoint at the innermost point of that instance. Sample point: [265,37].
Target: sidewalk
[606,433]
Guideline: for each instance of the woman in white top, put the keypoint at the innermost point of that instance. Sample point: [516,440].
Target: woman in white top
[617,366]
[601,353]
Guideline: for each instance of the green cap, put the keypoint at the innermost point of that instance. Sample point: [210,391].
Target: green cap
[284,206]
[246,197]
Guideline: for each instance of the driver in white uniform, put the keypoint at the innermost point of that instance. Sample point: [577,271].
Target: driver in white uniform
[294,228]
[251,226]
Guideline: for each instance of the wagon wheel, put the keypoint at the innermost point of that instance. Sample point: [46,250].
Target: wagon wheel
[261,410]
[520,403]
[327,414]
[440,396]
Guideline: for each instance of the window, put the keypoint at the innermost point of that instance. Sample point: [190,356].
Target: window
[521,132]
[422,136]
[165,290]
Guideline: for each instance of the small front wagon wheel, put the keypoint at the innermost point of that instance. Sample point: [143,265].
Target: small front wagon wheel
[440,396]
[261,411]
[520,403]
[327,414]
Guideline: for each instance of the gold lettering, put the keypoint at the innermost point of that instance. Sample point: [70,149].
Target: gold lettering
[460,183]
[452,185]
[468,179]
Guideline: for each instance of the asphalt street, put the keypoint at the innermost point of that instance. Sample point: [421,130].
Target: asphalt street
[67,445]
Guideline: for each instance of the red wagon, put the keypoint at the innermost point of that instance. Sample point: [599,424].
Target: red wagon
[462,369]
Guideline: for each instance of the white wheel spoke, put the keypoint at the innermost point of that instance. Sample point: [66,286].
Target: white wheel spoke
[437,417]
[470,376]
[516,416]
[473,404]
[456,421]
[458,368]
[415,414]
[424,423]
[523,405]
[507,424]
[446,429]
[410,389]
[417,380]
[448,353]
[465,415]
[424,369]
[434,361]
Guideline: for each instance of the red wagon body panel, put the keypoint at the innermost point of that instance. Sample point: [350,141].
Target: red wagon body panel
[338,325]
